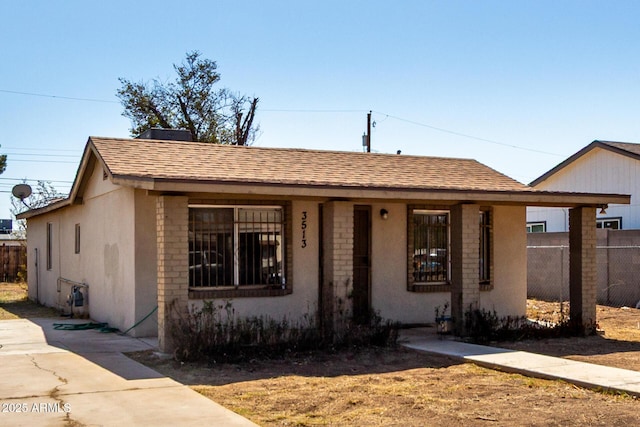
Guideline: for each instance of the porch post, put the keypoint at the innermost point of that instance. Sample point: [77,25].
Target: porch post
[337,266]
[465,263]
[172,219]
[582,267]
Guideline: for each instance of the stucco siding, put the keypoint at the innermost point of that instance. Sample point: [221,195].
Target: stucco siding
[146,259]
[106,259]
[389,295]
[509,278]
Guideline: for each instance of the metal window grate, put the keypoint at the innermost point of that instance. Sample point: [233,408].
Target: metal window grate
[431,246]
[235,246]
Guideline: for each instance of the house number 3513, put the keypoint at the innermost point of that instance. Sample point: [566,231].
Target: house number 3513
[303,226]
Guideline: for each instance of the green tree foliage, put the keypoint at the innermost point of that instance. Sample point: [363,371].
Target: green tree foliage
[191,102]
[3,163]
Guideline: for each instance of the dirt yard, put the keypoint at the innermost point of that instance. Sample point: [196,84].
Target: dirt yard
[398,387]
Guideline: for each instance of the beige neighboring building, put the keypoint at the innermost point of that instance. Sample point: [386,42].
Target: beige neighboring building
[292,232]
[600,167]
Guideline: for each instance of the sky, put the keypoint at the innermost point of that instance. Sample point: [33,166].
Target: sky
[517,85]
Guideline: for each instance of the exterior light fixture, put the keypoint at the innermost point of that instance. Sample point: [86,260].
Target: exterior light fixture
[384,214]
[603,210]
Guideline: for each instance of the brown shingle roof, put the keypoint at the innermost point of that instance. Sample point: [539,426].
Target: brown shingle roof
[199,162]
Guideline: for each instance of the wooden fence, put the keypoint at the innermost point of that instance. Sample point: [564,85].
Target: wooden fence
[13,263]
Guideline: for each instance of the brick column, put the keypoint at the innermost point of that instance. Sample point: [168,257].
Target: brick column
[172,218]
[465,263]
[337,266]
[583,273]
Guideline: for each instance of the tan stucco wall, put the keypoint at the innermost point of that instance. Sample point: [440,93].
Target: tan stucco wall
[509,294]
[389,270]
[113,265]
[146,290]
[107,258]
[304,299]
[389,242]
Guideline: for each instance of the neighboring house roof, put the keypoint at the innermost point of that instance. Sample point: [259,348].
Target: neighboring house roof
[193,167]
[623,148]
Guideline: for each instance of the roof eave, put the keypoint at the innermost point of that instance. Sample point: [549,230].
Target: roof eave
[45,209]
[525,197]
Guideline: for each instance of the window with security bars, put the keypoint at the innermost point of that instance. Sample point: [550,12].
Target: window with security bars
[430,246]
[235,246]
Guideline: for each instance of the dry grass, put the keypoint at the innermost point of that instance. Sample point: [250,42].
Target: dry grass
[398,387]
[14,303]
[617,343]
[374,387]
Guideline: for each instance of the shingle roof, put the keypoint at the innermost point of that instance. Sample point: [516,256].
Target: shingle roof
[199,162]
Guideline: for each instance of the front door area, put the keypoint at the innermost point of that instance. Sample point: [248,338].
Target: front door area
[361,263]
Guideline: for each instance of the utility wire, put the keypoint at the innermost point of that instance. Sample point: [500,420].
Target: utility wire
[37,149]
[70,98]
[34,180]
[40,155]
[468,136]
[40,161]
[284,110]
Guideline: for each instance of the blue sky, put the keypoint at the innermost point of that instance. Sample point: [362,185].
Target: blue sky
[516,85]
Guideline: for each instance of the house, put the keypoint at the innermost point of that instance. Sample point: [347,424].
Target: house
[292,232]
[600,167]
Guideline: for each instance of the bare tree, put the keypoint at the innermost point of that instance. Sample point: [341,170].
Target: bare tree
[191,102]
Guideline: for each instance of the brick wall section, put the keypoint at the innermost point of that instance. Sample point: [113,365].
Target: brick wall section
[583,272]
[172,218]
[465,248]
[338,265]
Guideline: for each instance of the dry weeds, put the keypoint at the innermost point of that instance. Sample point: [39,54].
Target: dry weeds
[398,387]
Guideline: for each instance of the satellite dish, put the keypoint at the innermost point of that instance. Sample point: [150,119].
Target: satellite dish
[21,191]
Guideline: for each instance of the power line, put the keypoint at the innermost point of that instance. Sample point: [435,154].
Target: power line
[285,110]
[468,136]
[70,98]
[41,155]
[38,149]
[41,161]
[293,110]
[35,180]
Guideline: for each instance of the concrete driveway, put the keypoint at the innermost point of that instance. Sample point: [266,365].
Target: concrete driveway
[54,377]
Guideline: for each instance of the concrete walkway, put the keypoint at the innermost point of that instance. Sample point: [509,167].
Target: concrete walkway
[50,377]
[582,374]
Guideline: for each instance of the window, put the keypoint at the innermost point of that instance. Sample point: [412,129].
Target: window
[485,247]
[236,246]
[430,246]
[77,245]
[537,227]
[612,223]
[49,245]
